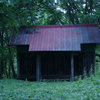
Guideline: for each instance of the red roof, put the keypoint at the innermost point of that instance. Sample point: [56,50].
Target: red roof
[56,37]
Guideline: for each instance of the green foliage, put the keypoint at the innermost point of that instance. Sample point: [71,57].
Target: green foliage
[81,11]
[86,89]
[84,72]
[16,13]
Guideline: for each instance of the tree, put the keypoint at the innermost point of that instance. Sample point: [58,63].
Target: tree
[80,11]
[16,13]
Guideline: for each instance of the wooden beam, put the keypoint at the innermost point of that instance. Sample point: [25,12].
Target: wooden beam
[40,75]
[26,65]
[56,71]
[72,66]
[37,68]
[65,64]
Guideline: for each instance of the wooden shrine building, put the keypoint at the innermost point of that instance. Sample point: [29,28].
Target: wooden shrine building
[55,52]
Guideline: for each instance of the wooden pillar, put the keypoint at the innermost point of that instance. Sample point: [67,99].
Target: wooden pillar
[18,66]
[26,65]
[72,66]
[56,71]
[65,65]
[38,68]
[40,75]
[94,64]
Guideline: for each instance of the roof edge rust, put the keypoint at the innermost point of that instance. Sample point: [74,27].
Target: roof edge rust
[50,26]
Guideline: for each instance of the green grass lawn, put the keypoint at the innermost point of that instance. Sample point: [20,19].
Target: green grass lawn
[87,89]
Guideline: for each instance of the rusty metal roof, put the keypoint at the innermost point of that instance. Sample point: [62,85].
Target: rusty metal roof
[56,37]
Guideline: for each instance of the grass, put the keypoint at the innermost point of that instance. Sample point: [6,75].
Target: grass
[86,89]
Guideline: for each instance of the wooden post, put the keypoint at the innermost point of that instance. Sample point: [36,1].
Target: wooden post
[26,65]
[56,71]
[40,76]
[37,68]
[18,65]
[94,64]
[72,66]
[65,65]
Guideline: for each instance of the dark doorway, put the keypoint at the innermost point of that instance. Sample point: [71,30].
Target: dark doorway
[78,64]
[55,66]
[27,66]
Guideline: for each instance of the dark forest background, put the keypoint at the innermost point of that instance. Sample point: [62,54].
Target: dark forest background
[16,13]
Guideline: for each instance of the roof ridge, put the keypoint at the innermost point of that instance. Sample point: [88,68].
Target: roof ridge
[50,26]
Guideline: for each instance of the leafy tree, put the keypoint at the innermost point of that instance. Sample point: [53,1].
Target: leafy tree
[80,11]
[16,13]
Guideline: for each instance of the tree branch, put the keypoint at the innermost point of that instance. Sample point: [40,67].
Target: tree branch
[70,15]
[57,16]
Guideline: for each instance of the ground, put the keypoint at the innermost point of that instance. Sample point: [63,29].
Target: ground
[86,89]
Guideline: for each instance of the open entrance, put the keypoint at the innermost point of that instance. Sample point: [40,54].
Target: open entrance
[56,67]
[78,64]
[27,66]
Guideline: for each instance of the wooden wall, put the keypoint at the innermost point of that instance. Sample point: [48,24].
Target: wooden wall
[54,65]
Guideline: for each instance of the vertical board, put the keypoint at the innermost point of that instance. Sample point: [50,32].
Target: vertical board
[88,61]
[72,66]
[37,67]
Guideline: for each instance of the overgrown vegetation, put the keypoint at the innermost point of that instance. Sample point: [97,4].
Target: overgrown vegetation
[16,13]
[86,89]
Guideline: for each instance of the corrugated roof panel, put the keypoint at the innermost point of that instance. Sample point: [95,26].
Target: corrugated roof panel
[74,44]
[64,42]
[91,34]
[66,39]
[57,37]
[79,38]
[84,34]
[44,37]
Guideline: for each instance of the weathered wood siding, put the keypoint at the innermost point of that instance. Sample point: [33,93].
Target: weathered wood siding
[88,47]
[22,49]
[88,51]
[54,65]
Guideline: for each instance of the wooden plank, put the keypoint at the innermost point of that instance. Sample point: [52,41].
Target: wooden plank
[26,65]
[49,64]
[56,71]
[55,79]
[72,66]
[40,75]
[65,64]
[37,67]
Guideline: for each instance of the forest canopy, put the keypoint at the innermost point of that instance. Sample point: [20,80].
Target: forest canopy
[16,13]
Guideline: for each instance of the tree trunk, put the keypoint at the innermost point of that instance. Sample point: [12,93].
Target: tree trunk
[1,67]
[71,16]
[9,73]
[11,63]
[6,69]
